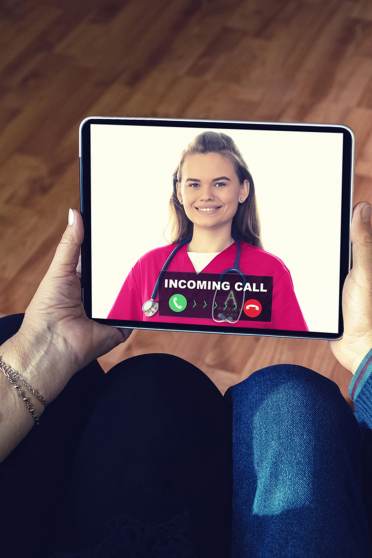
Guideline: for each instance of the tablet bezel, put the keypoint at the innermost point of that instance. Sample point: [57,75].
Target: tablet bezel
[85,209]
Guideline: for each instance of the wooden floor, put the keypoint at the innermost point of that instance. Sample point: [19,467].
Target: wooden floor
[299,60]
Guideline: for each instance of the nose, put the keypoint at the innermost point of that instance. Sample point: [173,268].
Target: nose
[206,192]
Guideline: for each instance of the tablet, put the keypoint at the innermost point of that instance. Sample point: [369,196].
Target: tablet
[216,226]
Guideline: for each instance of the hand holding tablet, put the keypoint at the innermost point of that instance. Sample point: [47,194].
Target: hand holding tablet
[57,314]
[56,326]
[357,295]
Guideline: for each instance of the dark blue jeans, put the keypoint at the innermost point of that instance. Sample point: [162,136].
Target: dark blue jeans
[302,468]
[151,460]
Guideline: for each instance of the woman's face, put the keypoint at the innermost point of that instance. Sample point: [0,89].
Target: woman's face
[210,189]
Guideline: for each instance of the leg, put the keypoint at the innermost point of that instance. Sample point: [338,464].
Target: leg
[156,450]
[298,471]
[32,478]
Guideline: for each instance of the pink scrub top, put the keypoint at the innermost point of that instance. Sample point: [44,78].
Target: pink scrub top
[138,286]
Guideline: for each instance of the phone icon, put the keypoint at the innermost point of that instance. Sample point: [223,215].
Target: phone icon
[252,308]
[177,302]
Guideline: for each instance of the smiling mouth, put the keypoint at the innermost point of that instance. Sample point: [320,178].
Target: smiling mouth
[208,209]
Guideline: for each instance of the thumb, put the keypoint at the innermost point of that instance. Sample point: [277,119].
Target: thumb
[67,254]
[361,238]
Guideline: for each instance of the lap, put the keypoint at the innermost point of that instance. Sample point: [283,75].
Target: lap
[278,395]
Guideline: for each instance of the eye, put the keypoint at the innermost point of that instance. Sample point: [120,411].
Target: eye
[220,184]
[193,184]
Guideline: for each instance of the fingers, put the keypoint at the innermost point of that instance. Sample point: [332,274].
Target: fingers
[67,253]
[361,238]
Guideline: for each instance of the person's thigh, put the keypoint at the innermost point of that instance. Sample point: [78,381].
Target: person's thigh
[33,476]
[155,461]
[298,468]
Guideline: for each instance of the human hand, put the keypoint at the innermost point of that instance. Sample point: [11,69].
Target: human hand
[57,319]
[357,297]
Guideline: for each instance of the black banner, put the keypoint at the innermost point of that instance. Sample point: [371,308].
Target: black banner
[225,297]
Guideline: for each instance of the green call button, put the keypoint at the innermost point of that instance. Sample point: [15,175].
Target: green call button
[177,302]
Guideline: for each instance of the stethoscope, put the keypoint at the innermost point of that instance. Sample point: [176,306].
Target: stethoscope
[151,306]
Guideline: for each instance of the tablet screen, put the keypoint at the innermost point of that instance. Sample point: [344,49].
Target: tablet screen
[229,227]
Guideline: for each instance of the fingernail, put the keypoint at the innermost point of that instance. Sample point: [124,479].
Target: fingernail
[366,213]
[71,217]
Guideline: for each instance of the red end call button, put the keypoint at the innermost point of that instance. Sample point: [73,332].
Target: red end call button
[252,308]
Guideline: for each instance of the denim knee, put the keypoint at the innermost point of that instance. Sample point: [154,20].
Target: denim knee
[297,467]
[288,399]
[288,422]
[283,387]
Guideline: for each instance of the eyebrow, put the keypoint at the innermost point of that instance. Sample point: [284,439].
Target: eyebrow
[213,180]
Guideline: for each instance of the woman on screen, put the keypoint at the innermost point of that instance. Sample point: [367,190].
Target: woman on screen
[215,272]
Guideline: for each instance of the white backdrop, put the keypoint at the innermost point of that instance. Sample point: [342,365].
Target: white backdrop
[297,177]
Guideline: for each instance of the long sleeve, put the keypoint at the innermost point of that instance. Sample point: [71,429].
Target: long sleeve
[360,391]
